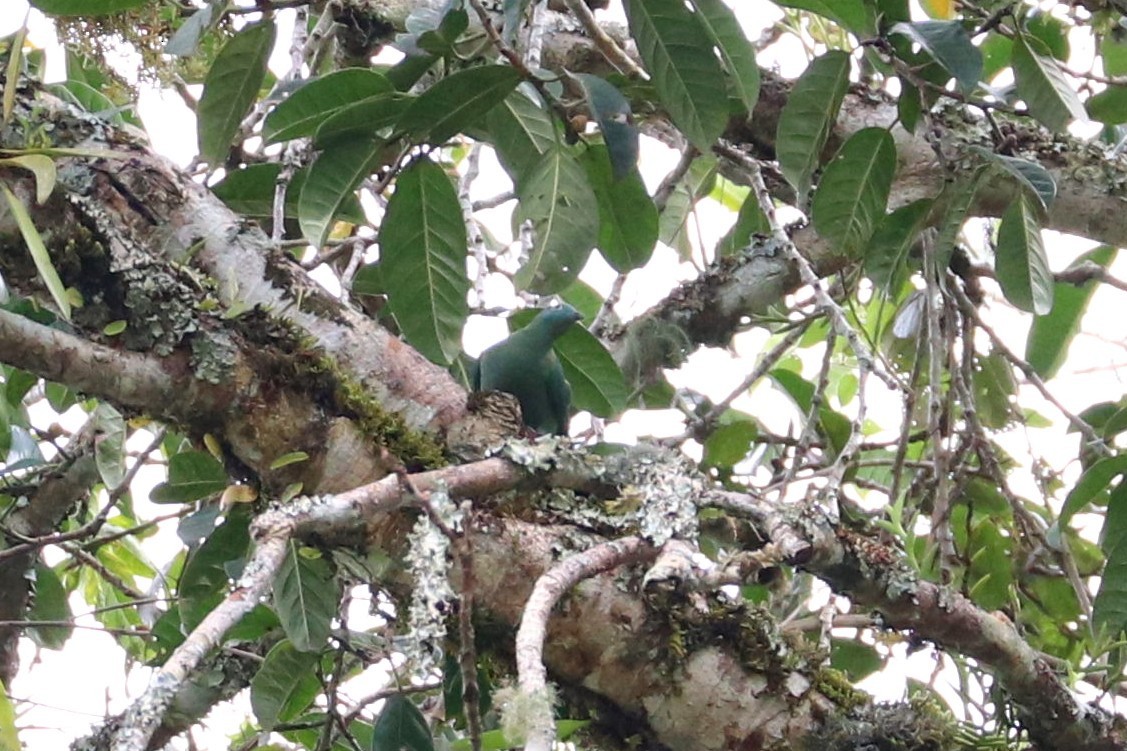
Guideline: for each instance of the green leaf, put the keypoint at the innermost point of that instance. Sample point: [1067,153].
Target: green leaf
[9,736]
[749,221]
[284,685]
[1113,54]
[458,101]
[39,254]
[1043,85]
[886,256]
[853,191]
[293,457]
[1109,106]
[1046,348]
[997,53]
[688,78]
[1051,32]
[597,385]
[231,86]
[1109,610]
[627,215]
[736,52]
[187,38]
[109,445]
[362,120]
[955,200]
[728,444]
[612,111]
[43,167]
[305,598]
[950,45]
[423,260]
[209,570]
[854,658]
[809,116]
[1030,176]
[338,171]
[250,191]
[49,604]
[192,475]
[856,15]
[521,132]
[1092,483]
[994,390]
[306,108]
[84,7]
[401,726]
[1020,261]
[564,214]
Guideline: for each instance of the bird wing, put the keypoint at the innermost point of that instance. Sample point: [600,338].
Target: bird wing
[559,394]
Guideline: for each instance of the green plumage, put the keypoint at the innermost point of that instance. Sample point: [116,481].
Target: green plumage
[525,366]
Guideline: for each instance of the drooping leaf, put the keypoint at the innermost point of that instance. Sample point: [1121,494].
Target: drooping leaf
[1046,348]
[192,475]
[1109,609]
[994,388]
[689,84]
[1109,106]
[749,220]
[612,111]
[1034,179]
[284,685]
[109,445]
[338,171]
[808,117]
[853,192]
[854,658]
[365,119]
[49,604]
[305,598]
[1020,261]
[561,207]
[736,52]
[955,201]
[230,88]
[597,385]
[305,109]
[950,44]
[1050,31]
[43,167]
[84,7]
[521,132]
[187,38]
[1043,85]
[423,260]
[401,726]
[457,101]
[1091,484]
[208,572]
[856,15]
[886,255]
[39,254]
[250,191]
[442,40]
[627,215]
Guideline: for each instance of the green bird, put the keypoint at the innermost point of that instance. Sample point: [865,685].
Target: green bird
[525,366]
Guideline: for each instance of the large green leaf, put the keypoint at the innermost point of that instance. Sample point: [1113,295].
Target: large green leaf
[84,7]
[109,445]
[284,685]
[521,132]
[305,109]
[401,726]
[1043,85]
[808,118]
[231,86]
[458,101]
[192,475]
[1030,176]
[612,111]
[423,260]
[1109,609]
[853,191]
[856,15]
[9,734]
[1020,261]
[50,604]
[1050,335]
[564,214]
[950,45]
[1091,484]
[749,220]
[736,52]
[688,78]
[1109,106]
[305,597]
[39,254]
[250,191]
[627,214]
[362,120]
[338,171]
[209,570]
[597,385]
[886,256]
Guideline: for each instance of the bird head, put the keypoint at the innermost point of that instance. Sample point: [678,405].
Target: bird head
[557,320]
